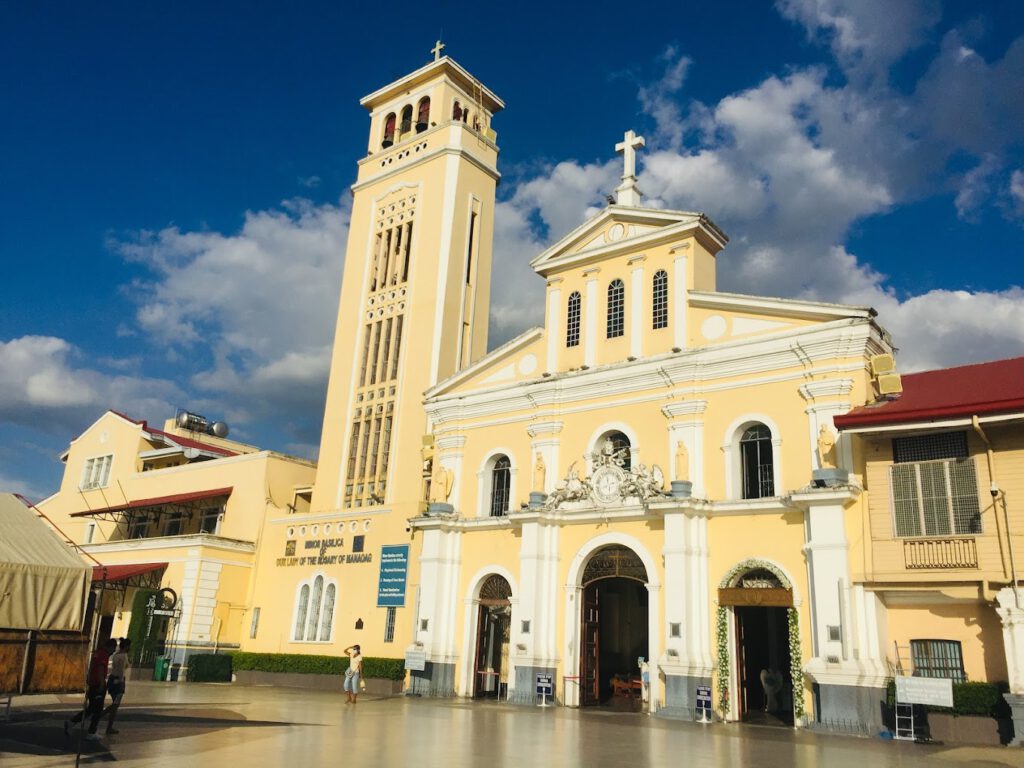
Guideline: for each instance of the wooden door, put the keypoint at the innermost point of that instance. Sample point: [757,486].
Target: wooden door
[483,628]
[590,683]
[741,664]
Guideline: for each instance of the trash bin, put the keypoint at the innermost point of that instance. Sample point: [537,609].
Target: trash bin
[160,666]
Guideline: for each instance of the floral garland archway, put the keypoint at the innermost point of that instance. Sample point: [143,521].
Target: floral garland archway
[722,657]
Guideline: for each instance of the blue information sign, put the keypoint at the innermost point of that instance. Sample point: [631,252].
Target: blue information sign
[394,568]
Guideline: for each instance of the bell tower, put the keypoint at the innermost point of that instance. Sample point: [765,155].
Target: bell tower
[415,292]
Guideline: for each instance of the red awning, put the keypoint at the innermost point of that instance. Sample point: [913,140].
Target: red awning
[158,501]
[113,573]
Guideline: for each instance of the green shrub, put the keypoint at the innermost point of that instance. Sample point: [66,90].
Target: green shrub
[209,668]
[308,664]
[984,699]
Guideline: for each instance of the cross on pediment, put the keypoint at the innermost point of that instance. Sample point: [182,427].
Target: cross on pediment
[436,50]
[627,191]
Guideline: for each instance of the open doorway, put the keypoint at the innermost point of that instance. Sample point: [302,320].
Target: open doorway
[491,662]
[614,629]
[763,664]
[760,601]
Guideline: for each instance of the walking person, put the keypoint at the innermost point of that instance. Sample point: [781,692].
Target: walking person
[115,682]
[354,673]
[96,690]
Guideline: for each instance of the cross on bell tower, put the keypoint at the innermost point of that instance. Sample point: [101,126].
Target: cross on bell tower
[436,50]
[627,193]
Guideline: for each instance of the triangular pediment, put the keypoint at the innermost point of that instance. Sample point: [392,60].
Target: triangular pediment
[620,228]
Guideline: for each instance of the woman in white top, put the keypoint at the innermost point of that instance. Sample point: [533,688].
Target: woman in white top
[115,681]
[353,673]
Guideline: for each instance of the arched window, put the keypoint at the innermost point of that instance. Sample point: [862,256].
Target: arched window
[406,124]
[572,320]
[457,111]
[501,480]
[423,115]
[616,308]
[314,608]
[757,465]
[300,613]
[389,130]
[616,446]
[327,622]
[659,300]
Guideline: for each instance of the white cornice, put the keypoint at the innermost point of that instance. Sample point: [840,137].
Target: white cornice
[445,149]
[544,428]
[450,442]
[425,72]
[170,542]
[826,388]
[798,307]
[685,408]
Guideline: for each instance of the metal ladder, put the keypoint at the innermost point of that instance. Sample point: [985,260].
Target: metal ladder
[904,712]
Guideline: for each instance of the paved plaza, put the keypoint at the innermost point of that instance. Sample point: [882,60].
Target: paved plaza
[229,725]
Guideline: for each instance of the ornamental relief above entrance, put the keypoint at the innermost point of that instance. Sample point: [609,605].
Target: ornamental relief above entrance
[614,481]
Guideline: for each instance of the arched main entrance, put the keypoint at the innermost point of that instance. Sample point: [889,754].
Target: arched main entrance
[491,662]
[761,598]
[614,631]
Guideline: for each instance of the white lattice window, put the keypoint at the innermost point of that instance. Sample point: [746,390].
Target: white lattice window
[938,658]
[935,498]
[616,321]
[572,320]
[96,472]
[314,610]
[659,300]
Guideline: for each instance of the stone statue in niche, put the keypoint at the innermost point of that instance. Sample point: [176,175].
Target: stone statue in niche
[826,448]
[682,462]
[440,483]
[539,474]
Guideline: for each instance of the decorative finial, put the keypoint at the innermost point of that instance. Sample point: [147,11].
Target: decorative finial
[628,193]
[436,50]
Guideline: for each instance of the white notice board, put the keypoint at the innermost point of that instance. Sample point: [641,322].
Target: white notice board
[934,691]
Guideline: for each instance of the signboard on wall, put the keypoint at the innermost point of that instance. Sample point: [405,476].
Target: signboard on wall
[394,569]
[934,691]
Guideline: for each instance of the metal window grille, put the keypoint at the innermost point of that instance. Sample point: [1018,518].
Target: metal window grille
[758,466]
[389,626]
[943,445]
[327,622]
[501,480]
[938,658]
[935,498]
[616,308]
[572,321]
[659,301]
[314,608]
[300,614]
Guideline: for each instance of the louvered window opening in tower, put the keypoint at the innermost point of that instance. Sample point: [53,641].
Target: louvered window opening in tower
[370,436]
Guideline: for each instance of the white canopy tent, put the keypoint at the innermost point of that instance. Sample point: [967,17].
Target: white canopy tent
[44,584]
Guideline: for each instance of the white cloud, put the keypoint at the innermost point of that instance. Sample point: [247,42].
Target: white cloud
[866,36]
[254,311]
[976,188]
[47,384]
[1017,191]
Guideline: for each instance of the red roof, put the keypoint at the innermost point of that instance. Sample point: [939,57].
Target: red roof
[156,501]
[186,442]
[949,393]
[110,573]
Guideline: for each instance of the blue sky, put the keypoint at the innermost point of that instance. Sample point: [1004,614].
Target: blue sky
[174,180]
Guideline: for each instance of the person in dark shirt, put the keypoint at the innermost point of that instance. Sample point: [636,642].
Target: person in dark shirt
[96,690]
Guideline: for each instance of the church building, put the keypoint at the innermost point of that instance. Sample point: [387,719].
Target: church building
[668,497]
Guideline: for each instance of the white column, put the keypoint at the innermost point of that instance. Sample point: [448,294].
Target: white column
[554,325]
[636,307]
[538,572]
[590,313]
[654,638]
[1012,616]
[679,301]
[687,425]
[439,574]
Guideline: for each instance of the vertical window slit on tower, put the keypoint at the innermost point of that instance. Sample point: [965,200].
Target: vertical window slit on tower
[469,247]
[408,244]
[374,354]
[398,345]
[367,331]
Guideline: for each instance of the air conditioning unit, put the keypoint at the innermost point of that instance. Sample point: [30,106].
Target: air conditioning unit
[889,384]
[882,364]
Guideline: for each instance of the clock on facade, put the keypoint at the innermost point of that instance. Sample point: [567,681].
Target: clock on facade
[607,484]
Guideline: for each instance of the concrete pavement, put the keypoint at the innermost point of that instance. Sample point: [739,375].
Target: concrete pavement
[229,725]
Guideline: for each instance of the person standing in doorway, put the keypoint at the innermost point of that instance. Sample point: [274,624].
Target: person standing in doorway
[115,682]
[96,690]
[354,673]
